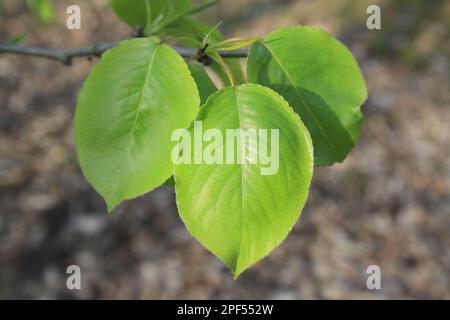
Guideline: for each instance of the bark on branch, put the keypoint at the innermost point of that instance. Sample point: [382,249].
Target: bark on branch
[66,56]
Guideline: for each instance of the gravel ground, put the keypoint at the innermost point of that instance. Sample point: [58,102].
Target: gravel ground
[388,204]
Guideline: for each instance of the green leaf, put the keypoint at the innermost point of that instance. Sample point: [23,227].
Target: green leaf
[136,12]
[234,210]
[191,28]
[224,67]
[231,44]
[127,110]
[320,79]
[204,83]
[43,9]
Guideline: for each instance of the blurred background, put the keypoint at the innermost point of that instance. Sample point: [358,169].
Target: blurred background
[388,204]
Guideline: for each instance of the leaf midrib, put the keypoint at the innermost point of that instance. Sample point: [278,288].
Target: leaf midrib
[146,82]
[242,183]
[136,117]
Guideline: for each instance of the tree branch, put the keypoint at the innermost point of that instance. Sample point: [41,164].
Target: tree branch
[66,56]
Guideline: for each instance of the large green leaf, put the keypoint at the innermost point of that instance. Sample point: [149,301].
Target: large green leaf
[320,78]
[143,12]
[204,83]
[234,210]
[131,102]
